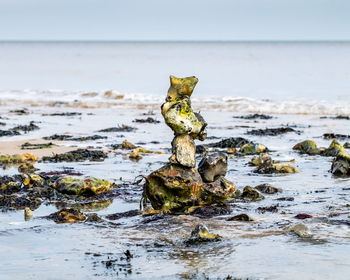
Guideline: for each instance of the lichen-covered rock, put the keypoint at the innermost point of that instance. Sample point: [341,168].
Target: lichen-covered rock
[284,169]
[251,194]
[87,187]
[67,216]
[307,147]
[213,166]
[184,151]
[252,149]
[201,234]
[17,159]
[334,149]
[341,164]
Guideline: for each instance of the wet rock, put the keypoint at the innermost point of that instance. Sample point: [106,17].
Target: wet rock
[341,164]
[307,147]
[346,145]
[184,151]
[201,149]
[233,142]
[148,120]
[94,218]
[303,216]
[272,131]
[17,159]
[10,184]
[335,136]
[28,214]
[265,165]
[122,128]
[77,155]
[211,211]
[268,189]
[30,146]
[241,218]
[254,117]
[87,187]
[136,154]
[213,166]
[300,230]
[26,128]
[18,202]
[251,194]
[285,198]
[218,191]
[339,117]
[173,188]
[125,145]
[252,149]
[67,215]
[60,137]
[201,234]
[334,149]
[127,214]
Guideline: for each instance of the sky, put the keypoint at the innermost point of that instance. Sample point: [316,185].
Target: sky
[179,20]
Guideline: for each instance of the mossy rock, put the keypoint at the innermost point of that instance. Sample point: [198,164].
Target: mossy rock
[252,149]
[307,147]
[87,187]
[341,164]
[333,150]
[251,194]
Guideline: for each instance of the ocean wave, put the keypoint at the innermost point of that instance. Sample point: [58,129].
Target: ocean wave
[107,99]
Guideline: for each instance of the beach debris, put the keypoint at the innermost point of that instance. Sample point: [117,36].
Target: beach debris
[251,194]
[232,142]
[213,166]
[241,218]
[30,146]
[28,214]
[65,137]
[86,187]
[268,189]
[77,155]
[202,234]
[254,117]
[122,128]
[178,186]
[64,114]
[147,120]
[67,215]
[303,216]
[26,128]
[272,131]
[335,136]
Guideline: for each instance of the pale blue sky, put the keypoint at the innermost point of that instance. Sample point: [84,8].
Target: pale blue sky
[174,20]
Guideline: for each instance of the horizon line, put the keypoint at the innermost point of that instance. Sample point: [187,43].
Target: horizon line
[178,41]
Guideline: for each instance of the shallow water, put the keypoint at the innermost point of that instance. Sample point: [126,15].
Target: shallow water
[41,249]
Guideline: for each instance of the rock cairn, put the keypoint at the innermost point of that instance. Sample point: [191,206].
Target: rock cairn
[179,186]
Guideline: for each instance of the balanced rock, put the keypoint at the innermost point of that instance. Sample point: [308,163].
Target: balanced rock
[213,166]
[184,151]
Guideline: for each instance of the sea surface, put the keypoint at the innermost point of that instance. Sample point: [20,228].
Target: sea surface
[271,77]
[300,85]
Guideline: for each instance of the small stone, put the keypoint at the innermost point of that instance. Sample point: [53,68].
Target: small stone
[267,188]
[251,149]
[303,216]
[28,214]
[240,217]
[300,230]
[201,234]
[213,166]
[184,151]
[251,194]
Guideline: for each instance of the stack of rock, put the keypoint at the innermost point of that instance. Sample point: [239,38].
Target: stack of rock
[178,186]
